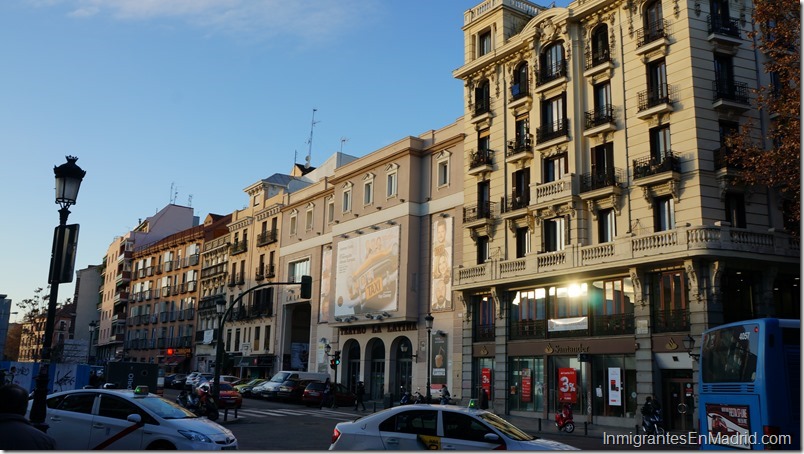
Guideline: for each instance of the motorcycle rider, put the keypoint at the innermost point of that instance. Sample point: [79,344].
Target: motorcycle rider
[651,414]
[445,395]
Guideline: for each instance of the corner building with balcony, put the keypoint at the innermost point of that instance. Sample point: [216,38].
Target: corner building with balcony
[600,223]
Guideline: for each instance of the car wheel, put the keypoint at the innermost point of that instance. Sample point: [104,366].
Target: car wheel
[161,445]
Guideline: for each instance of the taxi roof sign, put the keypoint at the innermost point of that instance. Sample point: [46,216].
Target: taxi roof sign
[141,390]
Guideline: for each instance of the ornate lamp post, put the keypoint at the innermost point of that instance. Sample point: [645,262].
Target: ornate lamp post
[428,323]
[62,262]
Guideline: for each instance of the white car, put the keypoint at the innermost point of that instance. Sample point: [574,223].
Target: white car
[120,419]
[423,426]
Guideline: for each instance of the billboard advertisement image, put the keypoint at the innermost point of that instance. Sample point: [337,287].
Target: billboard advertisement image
[441,288]
[367,273]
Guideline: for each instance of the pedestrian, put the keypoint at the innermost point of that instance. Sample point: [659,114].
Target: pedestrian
[16,432]
[325,396]
[359,391]
[445,395]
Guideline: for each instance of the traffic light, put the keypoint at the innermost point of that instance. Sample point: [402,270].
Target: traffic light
[306,289]
[337,358]
[170,352]
[332,363]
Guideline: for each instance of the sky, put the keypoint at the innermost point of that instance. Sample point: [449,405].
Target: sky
[191,101]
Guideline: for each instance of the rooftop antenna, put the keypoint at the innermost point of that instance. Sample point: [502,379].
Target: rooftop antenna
[310,142]
[174,192]
[343,141]
[190,200]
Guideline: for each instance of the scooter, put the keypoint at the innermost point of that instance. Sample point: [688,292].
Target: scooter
[652,424]
[564,419]
[200,406]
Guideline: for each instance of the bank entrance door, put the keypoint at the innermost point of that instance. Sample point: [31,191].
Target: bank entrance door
[678,402]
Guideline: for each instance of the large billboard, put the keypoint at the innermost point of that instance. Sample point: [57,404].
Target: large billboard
[441,253]
[367,273]
[325,302]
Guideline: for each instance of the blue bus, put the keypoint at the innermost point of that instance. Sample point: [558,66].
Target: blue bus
[750,385]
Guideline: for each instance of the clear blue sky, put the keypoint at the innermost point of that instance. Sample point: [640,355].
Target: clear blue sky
[209,96]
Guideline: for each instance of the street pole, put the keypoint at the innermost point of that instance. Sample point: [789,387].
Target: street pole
[428,323]
[68,181]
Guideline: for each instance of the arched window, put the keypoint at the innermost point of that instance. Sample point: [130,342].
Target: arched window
[653,23]
[519,88]
[552,62]
[482,97]
[600,45]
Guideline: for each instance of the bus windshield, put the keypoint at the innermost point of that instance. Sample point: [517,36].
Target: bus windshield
[729,355]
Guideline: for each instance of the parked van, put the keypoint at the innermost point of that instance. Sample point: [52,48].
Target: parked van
[270,388]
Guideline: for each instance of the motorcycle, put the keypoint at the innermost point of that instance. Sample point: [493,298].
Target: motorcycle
[652,423]
[444,398]
[564,419]
[418,398]
[200,405]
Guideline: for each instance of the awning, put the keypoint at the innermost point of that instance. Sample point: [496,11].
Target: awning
[173,360]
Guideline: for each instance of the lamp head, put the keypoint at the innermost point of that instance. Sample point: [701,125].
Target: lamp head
[428,321]
[328,348]
[68,181]
[220,306]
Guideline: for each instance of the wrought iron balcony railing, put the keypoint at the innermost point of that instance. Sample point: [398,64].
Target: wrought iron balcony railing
[478,212]
[521,144]
[552,131]
[604,178]
[654,96]
[597,57]
[723,26]
[599,116]
[653,32]
[650,165]
[730,90]
[553,71]
[480,158]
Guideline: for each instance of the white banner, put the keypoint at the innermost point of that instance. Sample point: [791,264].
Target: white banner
[567,324]
[615,388]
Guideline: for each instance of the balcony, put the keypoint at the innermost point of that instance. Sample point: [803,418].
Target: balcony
[483,333]
[554,192]
[721,160]
[270,272]
[517,201]
[599,120]
[259,273]
[237,279]
[121,297]
[613,324]
[724,33]
[551,75]
[602,179]
[479,212]
[627,250]
[528,329]
[652,38]
[123,277]
[654,101]
[668,321]
[191,260]
[651,165]
[730,96]
[519,149]
[480,161]
[482,107]
[547,134]
[238,247]
[597,62]
[266,237]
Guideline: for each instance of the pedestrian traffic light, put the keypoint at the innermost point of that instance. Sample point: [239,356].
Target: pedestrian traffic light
[332,363]
[306,290]
[337,358]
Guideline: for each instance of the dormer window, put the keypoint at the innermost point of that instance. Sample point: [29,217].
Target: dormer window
[484,43]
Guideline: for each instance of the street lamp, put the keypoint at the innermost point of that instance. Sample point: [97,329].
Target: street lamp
[92,326]
[428,323]
[333,363]
[62,261]
[220,309]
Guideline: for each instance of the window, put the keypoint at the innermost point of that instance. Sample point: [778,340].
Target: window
[555,168]
[368,192]
[298,269]
[657,82]
[735,209]
[484,43]
[482,97]
[391,185]
[664,216]
[604,112]
[606,226]
[308,219]
[464,427]
[417,422]
[483,199]
[522,134]
[520,182]
[669,300]
[555,234]
[603,165]
[347,200]
[653,20]
[554,122]
[266,341]
[600,45]
[79,403]
[443,172]
[483,141]
[482,249]
[117,408]
[522,242]
[292,225]
[330,210]
[659,143]
[552,63]
[724,74]
[519,87]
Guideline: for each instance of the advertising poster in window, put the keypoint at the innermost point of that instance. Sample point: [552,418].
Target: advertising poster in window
[441,289]
[439,360]
[326,281]
[485,381]
[299,355]
[729,424]
[567,385]
[527,386]
[367,273]
[615,392]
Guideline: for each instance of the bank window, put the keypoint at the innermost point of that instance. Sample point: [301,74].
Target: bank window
[529,305]
[569,301]
[614,296]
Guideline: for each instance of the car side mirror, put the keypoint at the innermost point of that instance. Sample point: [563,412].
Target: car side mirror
[134,417]
[491,438]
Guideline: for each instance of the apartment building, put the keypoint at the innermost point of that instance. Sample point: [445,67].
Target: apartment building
[116,273]
[163,301]
[367,231]
[253,256]
[601,226]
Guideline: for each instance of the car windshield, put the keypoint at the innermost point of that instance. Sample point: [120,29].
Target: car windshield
[165,408]
[505,427]
[279,378]
[226,387]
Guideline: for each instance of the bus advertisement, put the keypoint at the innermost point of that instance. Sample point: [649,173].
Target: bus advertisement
[750,385]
